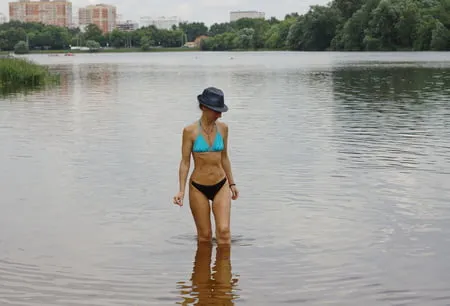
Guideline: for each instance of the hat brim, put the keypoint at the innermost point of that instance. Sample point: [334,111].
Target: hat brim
[217,109]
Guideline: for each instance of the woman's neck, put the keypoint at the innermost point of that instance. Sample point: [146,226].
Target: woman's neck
[206,123]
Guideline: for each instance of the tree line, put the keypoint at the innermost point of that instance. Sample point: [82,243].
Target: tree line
[341,25]
[344,25]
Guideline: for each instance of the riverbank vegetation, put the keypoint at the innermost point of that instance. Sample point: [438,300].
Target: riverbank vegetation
[17,74]
[342,25]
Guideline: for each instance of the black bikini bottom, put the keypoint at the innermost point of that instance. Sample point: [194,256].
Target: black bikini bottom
[209,191]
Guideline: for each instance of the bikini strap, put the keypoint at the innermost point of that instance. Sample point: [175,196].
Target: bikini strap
[199,127]
[217,129]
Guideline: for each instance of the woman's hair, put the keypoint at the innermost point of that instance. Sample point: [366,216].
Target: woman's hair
[200,106]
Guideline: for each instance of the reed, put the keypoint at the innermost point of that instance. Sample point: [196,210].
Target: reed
[17,73]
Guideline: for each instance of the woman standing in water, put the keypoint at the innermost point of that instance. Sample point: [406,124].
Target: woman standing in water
[212,178]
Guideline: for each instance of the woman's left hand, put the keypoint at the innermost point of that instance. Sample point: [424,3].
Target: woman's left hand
[234,192]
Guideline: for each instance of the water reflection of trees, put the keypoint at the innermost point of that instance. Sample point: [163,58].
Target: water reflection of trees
[393,97]
[390,88]
[389,115]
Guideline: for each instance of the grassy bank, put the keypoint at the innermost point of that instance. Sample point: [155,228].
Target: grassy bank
[17,74]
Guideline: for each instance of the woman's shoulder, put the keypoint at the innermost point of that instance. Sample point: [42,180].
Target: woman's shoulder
[223,127]
[190,129]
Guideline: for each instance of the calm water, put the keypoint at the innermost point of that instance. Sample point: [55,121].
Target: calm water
[342,161]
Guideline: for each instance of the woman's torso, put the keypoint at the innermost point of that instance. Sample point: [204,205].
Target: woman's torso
[207,155]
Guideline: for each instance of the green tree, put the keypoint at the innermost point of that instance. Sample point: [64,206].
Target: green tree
[351,33]
[193,29]
[93,32]
[424,33]
[259,26]
[117,39]
[146,43]
[21,47]
[93,45]
[220,28]
[347,8]
[440,37]
[295,40]
[383,23]
[319,27]
[246,38]
[407,23]
[276,36]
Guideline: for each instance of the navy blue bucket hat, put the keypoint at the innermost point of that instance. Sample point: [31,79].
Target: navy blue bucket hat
[213,98]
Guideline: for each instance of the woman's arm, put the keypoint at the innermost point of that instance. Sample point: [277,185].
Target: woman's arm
[185,162]
[226,164]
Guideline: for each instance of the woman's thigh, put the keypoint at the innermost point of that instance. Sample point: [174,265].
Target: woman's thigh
[200,209]
[221,207]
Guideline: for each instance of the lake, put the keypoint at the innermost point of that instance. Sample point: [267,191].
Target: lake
[341,160]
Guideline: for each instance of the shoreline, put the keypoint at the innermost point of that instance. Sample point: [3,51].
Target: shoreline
[119,50]
[178,50]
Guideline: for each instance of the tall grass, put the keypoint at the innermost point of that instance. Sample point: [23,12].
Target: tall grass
[16,74]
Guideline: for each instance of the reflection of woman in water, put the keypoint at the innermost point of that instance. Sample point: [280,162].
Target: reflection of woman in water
[211,179]
[210,288]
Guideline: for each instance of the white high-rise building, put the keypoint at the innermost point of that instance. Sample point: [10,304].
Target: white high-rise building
[159,22]
[128,25]
[3,18]
[236,15]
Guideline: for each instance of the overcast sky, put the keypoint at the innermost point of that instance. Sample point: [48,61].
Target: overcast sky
[208,11]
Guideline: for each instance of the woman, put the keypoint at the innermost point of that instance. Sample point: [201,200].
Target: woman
[211,179]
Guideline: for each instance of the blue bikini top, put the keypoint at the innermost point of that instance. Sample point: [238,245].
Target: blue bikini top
[201,145]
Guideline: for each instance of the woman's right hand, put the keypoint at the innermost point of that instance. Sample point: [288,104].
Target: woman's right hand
[178,199]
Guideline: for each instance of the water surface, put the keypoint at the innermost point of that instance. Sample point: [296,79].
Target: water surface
[341,159]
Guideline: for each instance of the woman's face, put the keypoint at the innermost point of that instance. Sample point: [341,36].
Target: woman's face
[211,115]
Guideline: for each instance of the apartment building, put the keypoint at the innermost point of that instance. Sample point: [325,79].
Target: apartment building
[126,26]
[159,22]
[3,18]
[57,12]
[236,15]
[102,15]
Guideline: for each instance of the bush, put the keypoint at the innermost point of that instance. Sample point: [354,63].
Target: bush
[92,45]
[21,48]
[21,73]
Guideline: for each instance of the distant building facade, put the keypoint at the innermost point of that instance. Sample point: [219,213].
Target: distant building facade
[128,25]
[3,18]
[160,22]
[236,15]
[102,15]
[57,12]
